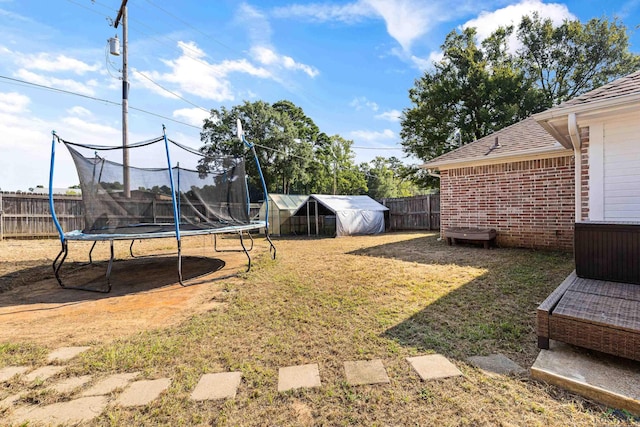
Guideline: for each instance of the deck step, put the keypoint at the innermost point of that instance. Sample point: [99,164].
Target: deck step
[610,380]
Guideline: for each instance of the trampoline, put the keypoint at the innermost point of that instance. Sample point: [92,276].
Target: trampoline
[208,196]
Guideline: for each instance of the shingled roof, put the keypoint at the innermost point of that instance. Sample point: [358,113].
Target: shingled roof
[626,85]
[614,98]
[534,134]
[525,137]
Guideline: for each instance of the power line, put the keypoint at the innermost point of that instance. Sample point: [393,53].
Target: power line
[189,25]
[172,93]
[93,98]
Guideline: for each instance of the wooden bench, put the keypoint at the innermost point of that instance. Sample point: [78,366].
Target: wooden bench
[486,236]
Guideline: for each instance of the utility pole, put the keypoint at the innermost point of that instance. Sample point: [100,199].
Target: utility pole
[122,15]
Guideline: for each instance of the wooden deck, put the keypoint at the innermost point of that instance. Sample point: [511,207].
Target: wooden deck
[595,314]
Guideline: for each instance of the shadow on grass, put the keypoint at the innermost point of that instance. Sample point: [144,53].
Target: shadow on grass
[494,312]
[37,284]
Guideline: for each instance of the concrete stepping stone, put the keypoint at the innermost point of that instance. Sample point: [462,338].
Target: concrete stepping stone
[9,372]
[64,354]
[301,376]
[140,393]
[110,384]
[42,373]
[69,384]
[433,366]
[72,412]
[496,364]
[223,385]
[8,401]
[365,372]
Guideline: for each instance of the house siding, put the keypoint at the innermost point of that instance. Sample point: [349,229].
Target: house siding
[529,203]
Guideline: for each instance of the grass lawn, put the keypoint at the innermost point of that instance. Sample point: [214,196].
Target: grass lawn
[328,301]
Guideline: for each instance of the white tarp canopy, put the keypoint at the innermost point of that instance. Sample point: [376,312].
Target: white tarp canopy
[354,214]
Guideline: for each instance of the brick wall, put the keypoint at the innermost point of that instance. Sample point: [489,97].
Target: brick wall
[530,203]
[584,153]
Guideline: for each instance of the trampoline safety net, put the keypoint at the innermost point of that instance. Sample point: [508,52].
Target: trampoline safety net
[208,197]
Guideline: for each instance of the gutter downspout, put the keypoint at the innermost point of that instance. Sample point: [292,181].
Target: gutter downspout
[574,134]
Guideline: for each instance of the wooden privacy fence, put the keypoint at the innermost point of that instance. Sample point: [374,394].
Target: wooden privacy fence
[414,213]
[28,215]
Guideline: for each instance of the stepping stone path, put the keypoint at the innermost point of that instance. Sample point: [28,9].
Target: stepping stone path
[217,386]
[92,401]
[69,384]
[43,373]
[10,371]
[433,366]
[110,384]
[143,392]
[365,372]
[293,377]
[496,364]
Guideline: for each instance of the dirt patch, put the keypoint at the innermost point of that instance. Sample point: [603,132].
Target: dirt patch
[145,293]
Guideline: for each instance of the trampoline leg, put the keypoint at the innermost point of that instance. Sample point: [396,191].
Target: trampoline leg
[180,264]
[56,268]
[215,245]
[109,267]
[91,251]
[250,237]
[246,252]
[272,248]
[58,265]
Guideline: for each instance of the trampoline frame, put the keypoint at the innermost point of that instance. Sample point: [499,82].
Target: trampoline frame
[78,235]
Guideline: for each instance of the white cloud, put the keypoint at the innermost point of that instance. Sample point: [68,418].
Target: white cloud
[59,63]
[349,13]
[195,76]
[194,116]
[406,20]
[65,84]
[372,136]
[14,102]
[424,64]
[362,102]
[255,22]
[488,22]
[269,57]
[391,115]
[79,112]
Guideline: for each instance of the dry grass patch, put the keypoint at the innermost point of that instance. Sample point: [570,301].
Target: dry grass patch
[327,301]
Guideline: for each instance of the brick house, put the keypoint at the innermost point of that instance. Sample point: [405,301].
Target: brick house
[521,179]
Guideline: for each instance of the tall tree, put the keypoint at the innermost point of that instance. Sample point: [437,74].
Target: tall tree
[334,171]
[282,154]
[473,91]
[476,90]
[388,177]
[573,58]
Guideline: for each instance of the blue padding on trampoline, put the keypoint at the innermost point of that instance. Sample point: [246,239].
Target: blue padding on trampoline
[79,235]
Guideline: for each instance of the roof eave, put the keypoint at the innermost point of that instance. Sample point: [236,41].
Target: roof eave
[514,156]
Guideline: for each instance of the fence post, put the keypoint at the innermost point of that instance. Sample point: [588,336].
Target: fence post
[429,212]
[1,219]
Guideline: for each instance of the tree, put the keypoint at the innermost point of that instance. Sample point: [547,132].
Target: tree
[334,170]
[573,58]
[472,92]
[283,155]
[388,177]
[476,90]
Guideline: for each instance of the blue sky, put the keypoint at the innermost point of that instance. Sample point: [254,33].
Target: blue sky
[348,64]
